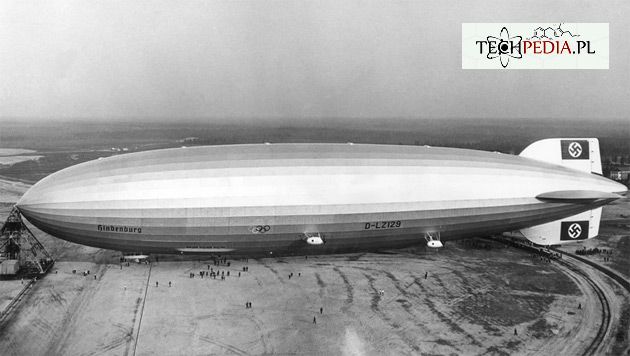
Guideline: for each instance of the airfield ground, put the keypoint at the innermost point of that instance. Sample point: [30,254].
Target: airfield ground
[474,297]
[373,304]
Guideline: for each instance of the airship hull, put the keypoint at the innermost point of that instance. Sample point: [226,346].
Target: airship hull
[264,199]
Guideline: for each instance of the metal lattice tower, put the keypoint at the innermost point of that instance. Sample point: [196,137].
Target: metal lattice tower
[17,242]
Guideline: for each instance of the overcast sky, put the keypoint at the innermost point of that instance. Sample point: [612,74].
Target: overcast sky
[290,59]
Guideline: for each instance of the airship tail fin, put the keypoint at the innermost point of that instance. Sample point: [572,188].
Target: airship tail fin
[581,154]
[573,228]
[577,196]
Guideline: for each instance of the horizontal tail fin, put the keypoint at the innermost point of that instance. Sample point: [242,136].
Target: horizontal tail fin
[573,228]
[581,154]
[577,196]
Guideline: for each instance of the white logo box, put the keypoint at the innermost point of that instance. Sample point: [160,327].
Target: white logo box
[542,46]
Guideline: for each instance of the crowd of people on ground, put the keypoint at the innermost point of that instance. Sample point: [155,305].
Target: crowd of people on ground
[546,255]
[592,251]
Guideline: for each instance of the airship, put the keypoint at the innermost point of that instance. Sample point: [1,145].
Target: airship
[294,199]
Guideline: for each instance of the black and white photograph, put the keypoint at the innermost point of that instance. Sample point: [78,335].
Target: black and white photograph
[327,177]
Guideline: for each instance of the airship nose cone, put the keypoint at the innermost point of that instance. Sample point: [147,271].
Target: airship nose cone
[63,203]
[33,197]
[49,194]
[36,194]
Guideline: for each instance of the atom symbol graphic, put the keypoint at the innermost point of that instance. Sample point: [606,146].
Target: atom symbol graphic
[509,47]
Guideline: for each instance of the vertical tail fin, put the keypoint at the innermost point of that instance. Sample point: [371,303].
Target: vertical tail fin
[581,154]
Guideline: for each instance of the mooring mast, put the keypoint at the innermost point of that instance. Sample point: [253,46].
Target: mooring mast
[17,243]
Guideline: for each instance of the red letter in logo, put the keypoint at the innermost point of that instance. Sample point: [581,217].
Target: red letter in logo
[537,47]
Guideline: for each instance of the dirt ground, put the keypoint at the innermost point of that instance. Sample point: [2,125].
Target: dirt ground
[9,289]
[473,299]
[372,304]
